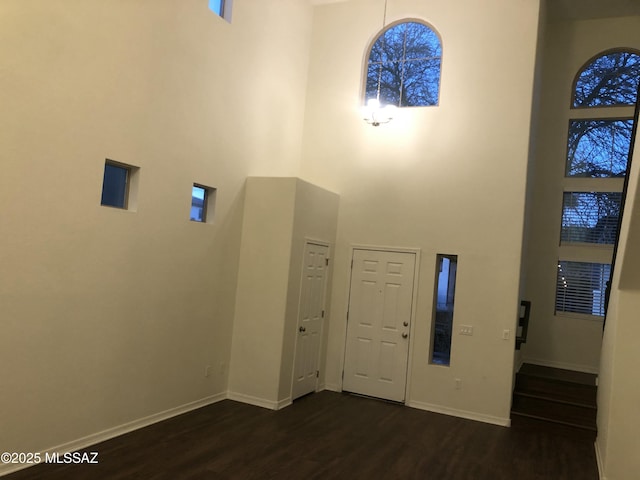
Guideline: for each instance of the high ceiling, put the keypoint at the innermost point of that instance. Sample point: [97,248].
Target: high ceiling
[585,9]
[572,9]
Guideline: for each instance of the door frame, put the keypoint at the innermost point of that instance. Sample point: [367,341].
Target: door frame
[322,243]
[414,304]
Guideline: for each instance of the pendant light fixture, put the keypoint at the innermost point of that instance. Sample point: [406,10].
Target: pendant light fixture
[374,112]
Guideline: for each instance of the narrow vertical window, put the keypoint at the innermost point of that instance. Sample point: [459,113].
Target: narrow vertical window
[115,185]
[445,289]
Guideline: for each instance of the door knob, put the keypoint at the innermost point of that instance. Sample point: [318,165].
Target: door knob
[302,329]
[406,324]
[405,334]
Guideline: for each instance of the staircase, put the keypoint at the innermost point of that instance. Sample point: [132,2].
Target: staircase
[555,396]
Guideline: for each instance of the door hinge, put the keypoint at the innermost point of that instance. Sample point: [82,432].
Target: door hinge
[342,374]
[326,262]
[351,264]
[347,315]
[317,373]
[322,313]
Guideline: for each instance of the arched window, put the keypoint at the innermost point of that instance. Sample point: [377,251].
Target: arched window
[609,79]
[597,158]
[403,67]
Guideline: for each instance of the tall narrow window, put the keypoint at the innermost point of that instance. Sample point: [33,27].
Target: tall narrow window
[598,145]
[403,67]
[445,290]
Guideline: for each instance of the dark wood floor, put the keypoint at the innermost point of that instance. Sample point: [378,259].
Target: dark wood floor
[330,435]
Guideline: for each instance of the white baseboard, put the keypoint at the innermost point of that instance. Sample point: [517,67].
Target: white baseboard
[596,445]
[332,387]
[259,402]
[94,438]
[566,366]
[479,417]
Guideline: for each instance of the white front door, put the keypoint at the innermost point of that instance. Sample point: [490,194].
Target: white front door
[310,315]
[380,303]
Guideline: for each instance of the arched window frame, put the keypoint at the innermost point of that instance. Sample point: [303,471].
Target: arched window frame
[586,65]
[368,51]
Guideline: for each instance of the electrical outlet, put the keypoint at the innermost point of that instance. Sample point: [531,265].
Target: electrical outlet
[458,384]
[207,370]
[466,330]
[506,334]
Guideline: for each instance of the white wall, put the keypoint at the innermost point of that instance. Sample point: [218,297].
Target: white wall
[446,179]
[562,341]
[618,442]
[315,218]
[279,214]
[110,316]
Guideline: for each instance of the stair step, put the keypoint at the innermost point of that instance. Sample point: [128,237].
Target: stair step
[532,425]
[559,412]
[553,389]
[553,397]
[561,374]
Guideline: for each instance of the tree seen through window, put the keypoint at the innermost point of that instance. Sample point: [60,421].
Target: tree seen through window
[610,79]
[404,66]
[598,148]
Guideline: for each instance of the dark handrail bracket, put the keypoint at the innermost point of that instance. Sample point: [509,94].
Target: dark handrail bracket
[523,323]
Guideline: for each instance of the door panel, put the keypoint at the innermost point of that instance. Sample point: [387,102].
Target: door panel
[380,304]
[310,317]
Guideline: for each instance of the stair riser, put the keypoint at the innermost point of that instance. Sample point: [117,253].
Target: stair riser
[570,392]
[523,422]
[555,411]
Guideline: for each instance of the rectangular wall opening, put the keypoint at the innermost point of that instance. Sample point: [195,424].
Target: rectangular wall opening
[202,203]
[444,295]
[119,185]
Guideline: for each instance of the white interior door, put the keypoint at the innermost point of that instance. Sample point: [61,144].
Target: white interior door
[380,303]
[310,315]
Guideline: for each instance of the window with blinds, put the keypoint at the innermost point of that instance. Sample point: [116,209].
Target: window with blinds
[590,217]
[581,287]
